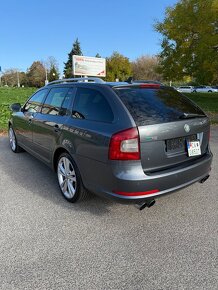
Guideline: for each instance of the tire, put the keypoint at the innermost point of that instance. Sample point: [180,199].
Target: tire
[69,179]
[13,141]
[209,91]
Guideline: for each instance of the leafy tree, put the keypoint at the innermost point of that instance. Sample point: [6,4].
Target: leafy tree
[76,50]
[9,77]
[98,55]
[190,38]
[36,74]
[13,77]
[23,79]
[145,68]
[118,67]
[53,74]
[52,68]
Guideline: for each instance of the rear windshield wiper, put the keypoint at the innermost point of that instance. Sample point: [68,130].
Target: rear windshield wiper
[191,115]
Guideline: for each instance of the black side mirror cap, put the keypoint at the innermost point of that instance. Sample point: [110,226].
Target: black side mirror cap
[16,107]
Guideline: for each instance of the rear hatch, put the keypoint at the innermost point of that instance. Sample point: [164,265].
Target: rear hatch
[173,131]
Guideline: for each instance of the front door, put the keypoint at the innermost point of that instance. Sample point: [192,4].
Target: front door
[47,127]
[24,119]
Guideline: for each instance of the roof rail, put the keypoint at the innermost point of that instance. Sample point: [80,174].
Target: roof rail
[79,80]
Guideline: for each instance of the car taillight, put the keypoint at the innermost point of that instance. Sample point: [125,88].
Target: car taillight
[150,86]
[124,145]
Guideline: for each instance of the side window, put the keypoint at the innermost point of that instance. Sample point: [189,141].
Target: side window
[90,104]
[68,100]
[54,101]
[34,103]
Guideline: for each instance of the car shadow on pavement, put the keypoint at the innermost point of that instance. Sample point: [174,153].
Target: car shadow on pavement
[30,175]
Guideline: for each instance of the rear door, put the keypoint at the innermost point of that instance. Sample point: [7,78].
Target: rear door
[91,124]
[167,123]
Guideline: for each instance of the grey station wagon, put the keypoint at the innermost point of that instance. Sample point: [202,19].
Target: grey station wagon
[129,142]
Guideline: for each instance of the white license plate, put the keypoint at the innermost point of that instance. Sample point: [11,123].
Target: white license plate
[194,148]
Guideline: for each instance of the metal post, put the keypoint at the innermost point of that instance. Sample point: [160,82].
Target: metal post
[46,77]
[18,80]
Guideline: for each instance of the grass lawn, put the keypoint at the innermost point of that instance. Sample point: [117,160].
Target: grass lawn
[207,101]
[9,96]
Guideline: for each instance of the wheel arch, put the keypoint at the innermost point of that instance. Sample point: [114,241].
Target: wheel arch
[9,123]
[57,153]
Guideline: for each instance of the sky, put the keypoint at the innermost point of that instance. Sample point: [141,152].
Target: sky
[34,30]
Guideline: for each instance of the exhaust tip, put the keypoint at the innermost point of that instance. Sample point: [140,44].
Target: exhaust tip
[204,179]
[142,205]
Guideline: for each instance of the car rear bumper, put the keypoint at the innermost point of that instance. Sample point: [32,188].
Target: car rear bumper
[132,184]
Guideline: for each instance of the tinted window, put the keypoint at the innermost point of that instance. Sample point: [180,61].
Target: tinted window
[92,105]
[153,106]
[54,101]
[35,102]
[68,100]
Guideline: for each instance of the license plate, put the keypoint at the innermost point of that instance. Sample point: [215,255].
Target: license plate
[179,144]
[194,148]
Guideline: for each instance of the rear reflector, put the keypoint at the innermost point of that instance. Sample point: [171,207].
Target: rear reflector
[150,86]
[140,193]
[124,145]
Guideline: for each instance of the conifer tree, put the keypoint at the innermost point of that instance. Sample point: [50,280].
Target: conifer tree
[76,50]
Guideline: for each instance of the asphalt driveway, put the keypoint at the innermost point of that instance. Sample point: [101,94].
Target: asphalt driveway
[47,243]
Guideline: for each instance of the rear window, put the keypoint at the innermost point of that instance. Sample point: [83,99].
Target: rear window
[155,106]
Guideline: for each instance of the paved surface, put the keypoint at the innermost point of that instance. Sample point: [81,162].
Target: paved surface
[46,243]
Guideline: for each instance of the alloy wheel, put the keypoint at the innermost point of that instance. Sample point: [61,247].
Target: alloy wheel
[67,177]
[12,139]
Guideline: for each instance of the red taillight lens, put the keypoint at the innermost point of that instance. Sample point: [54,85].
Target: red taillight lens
[124,145]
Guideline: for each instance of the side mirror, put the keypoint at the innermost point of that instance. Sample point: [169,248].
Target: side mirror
[16,107]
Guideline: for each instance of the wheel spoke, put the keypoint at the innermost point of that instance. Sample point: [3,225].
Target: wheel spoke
[72,178]
[68,164]
[61,169]
[64,185]
[72,175]
[70,188]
